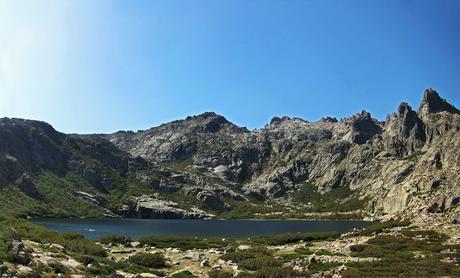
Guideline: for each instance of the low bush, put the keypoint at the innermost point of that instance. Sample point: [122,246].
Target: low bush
[318,267]
[148,260]
[251,253]
[287,238]
[183,274]
[215,273]
[400,267]
[260,262]
[279,272]
[377,228]
[115,239]
[183,243]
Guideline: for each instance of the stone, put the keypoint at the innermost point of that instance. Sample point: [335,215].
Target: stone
[25,271]
[204,263]
[17,250]
[58,247]
[243,247]
[135,244]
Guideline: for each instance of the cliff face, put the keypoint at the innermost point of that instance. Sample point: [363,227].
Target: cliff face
[407,164]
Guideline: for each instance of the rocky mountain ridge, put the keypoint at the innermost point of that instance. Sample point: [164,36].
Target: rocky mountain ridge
[208,166]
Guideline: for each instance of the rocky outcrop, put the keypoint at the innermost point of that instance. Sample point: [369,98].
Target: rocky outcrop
[433,103]
[27,185]
[17,251]
[404,132]
[154,207]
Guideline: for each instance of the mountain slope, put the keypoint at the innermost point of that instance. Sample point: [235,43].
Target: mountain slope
[205,166]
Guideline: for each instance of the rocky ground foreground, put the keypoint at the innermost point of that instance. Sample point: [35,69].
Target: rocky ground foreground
[426,247]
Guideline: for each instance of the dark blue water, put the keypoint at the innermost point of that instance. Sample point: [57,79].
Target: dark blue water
[95,228]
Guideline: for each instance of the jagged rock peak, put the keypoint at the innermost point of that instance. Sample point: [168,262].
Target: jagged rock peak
[433,103]
[210,122]
[206,115]
[278,120]
[404,108]
[328,120]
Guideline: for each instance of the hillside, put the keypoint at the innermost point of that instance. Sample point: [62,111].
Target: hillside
[205,166]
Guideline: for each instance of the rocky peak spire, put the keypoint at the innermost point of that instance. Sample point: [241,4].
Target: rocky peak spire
[433,103]
[404,108]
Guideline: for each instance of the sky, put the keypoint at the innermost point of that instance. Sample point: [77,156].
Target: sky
[100,66]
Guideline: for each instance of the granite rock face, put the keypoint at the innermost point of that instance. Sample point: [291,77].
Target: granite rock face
[409,163]
[390,162]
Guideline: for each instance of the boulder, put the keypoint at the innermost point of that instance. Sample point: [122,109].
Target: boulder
[17,250]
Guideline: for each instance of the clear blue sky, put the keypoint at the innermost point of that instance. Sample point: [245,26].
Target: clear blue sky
[101,66]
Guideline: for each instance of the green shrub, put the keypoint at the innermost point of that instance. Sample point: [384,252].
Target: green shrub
[58,268]
[85,259]
[319,267]
[279,272]
[400,267]
[183,243]
[219,274]
[148,260]
[287,238]
[183,274]
[115,239]
[380,227]
[251,253]
[260,262]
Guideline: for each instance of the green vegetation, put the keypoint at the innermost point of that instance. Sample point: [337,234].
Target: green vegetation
[249,210]
[380,227]
[336,200]
[318,267]
[183,243]
[74,244]
[183,274]
[56,198]
[260,262]
[180,164]
[287,238]
[251,253]
[215,273]
[410,254]
[298,253]
[148,260]
[115,239]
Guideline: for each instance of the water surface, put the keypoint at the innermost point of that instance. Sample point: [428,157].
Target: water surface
[95,228]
